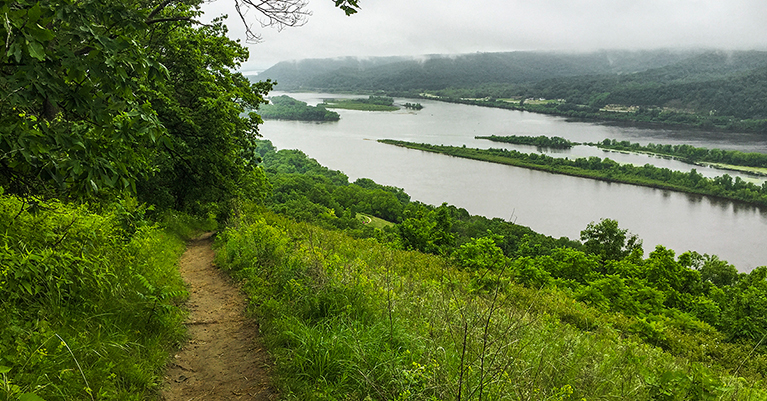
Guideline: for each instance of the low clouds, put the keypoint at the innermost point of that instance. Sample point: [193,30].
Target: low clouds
[416,27]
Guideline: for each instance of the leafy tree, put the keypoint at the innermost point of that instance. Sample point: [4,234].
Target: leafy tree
[663,272]
[377,202]
[427,230]
[571,264]
[530,272]
[481,253]
[608,241]
[94,94]
[70,120]
[745,315]
[610,293]
[712,269]
[210,153]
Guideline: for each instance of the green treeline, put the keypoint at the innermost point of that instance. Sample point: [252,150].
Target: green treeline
[413,106]
[672,117]
[542,141]
[728,86]
[286,108]
[683,152]
[378,300]
[641,115]
[372,103]
[690,153]
[609,170]
[379,100]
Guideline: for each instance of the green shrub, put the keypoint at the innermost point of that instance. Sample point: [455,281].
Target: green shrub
[87,301]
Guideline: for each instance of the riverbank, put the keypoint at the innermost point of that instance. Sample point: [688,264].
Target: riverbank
[754,164]
[746,162]
[608,170]
[665,119]
[755,171]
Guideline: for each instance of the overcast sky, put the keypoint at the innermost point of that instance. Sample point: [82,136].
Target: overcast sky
[419,27]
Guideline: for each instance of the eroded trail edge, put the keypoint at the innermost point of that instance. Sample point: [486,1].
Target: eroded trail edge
[223,358]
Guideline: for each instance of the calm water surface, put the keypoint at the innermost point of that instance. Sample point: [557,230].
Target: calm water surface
[552,204]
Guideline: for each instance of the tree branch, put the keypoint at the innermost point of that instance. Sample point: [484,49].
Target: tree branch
[171,19]
[278,13]
[157,10]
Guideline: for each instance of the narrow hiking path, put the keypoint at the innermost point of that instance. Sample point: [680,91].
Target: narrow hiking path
[222,358]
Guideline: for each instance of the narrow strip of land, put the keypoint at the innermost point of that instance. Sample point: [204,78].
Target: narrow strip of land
[222,359]
[723,187]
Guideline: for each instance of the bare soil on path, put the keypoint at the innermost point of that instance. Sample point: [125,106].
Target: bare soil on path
[223,358]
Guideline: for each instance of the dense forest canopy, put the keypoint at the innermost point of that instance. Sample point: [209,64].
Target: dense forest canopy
[104,98]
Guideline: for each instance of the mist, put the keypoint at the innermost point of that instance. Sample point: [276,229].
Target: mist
[419,27]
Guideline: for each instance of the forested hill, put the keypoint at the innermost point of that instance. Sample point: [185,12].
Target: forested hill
[698,88]
[294,74]
[462,71]
[721,83]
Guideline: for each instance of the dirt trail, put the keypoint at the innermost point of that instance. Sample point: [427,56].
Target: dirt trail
[222,359]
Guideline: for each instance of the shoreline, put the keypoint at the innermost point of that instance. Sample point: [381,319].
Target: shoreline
[607,176]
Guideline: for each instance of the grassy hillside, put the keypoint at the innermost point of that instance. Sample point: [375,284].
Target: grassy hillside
[354,319]
[696,308]
[433,305]
[89,301]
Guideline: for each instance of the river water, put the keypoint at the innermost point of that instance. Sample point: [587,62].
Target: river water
[548,203]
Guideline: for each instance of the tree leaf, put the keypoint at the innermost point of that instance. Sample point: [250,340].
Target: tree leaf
[34,14]
[36,50]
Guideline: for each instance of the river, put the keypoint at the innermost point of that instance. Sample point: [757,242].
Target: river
[551,204]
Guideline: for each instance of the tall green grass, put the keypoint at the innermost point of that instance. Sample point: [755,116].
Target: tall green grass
[351,319]
[88,301]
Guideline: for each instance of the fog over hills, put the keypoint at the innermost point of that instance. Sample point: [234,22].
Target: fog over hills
[729,84]
[413,28]
[466,70]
